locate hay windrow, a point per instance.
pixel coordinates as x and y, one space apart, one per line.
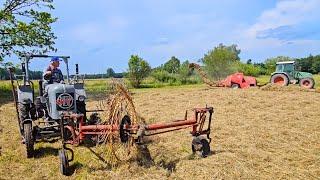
289 88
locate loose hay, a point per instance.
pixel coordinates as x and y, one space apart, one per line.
119 104
255 135
289 88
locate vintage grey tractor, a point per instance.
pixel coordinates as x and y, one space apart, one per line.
286 74
39 116
59 111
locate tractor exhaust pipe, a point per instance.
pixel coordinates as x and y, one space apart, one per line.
77 72
23 68
77 69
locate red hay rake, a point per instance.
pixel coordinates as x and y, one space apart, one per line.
74 130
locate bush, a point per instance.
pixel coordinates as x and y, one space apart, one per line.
138 70
163 76
249 69
184 72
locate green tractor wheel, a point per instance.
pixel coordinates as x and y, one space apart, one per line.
306 83
280 79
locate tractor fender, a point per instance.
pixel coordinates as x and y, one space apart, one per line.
25 94
279 73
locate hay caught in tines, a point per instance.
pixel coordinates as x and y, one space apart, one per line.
118 104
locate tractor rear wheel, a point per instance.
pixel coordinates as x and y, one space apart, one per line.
307 83
280 79
29 141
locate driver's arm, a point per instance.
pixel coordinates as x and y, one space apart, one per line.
47 74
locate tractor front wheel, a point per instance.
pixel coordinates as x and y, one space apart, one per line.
29 141
280 79
23 114
307 83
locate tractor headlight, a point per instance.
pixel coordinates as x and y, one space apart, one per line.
81 98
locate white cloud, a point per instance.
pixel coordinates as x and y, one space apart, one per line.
286 13
99 32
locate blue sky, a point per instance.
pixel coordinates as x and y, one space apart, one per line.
99 34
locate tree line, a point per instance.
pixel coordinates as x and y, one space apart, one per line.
218 63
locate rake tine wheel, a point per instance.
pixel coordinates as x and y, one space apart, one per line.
120 110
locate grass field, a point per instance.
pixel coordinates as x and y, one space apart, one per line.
257 134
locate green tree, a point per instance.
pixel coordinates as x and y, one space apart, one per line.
138 70
232 48
221 61
24 27
316 64
249 69
308 64
173 65
110 73
270 63
184 72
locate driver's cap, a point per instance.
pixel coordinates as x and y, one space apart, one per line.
55 58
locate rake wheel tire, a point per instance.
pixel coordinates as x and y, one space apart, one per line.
29 141
64 162
201 145
124 137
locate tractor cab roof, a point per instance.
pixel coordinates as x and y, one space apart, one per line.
286 62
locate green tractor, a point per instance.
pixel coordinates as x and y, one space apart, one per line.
286 73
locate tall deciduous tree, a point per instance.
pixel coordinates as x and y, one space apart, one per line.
184 72
173 65
110 73
25 26
221 61
138 70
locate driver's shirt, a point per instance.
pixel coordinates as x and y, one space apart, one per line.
56 75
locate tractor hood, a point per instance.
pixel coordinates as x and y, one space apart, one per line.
304 75
61 98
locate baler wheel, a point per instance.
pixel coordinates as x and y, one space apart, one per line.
201 145
64 162
235 86
29 141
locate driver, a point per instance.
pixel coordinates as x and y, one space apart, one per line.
53 73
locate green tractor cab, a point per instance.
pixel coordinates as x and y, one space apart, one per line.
286 74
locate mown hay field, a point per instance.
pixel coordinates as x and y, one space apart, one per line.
256 134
